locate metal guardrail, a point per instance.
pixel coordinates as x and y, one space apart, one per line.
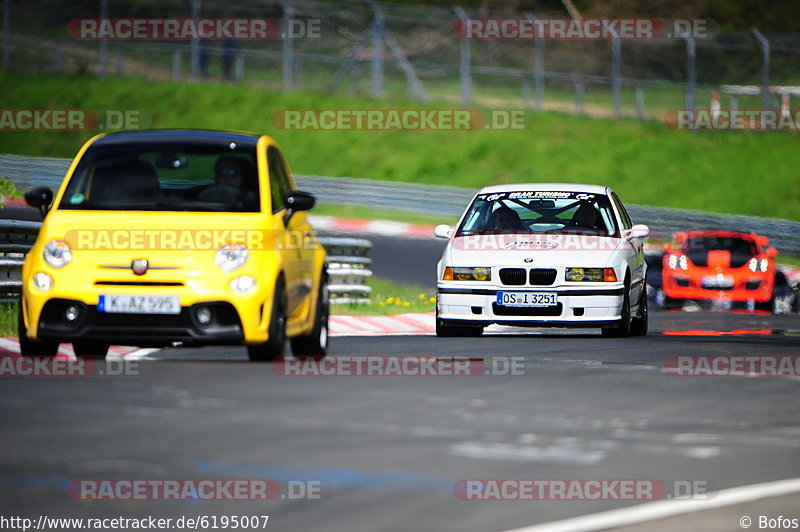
27 172
348 264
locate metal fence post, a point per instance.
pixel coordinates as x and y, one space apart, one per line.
195 42
538 67
6 31
465 53
764 43
176 65
579 91
57 61
376 65
639 101
287 53
101 56
118 61
616 82
691 74
733 102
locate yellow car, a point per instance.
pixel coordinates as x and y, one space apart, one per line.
156 237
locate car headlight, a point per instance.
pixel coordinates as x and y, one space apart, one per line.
57 253
467 274
764 265
231 256
597 275
683 262
672 261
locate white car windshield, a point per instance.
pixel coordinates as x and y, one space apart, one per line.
551 212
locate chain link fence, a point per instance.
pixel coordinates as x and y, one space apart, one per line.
388 50
29 172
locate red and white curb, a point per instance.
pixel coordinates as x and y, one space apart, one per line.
402 324
335 224
9 346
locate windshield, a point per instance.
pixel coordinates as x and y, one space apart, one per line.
164 177
540 212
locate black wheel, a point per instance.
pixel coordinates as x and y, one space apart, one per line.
315 344
622 329
639 325
768 305
88 349
443 330
274 346
33 348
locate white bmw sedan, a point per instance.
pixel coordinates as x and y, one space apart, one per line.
543 255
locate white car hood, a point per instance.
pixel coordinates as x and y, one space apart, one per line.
547 251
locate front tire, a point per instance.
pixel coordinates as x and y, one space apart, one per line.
639 325
315 344
33 348
87 349
275 345
443 330
623 327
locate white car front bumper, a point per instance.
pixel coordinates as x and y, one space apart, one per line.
584 306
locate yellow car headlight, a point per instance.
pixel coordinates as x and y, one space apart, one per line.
467 274
57 253
593 275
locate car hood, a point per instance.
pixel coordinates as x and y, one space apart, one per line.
532 250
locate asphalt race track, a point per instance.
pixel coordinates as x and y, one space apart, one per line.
387 451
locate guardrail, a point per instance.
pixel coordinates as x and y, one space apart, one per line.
449 202
348 264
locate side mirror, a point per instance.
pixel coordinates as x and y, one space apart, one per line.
41 198
638 231
442 231
772 253
295 201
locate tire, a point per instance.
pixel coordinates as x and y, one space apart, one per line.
33 348
456 331
623 327
768 305
315 344
88 349
639 325
275 345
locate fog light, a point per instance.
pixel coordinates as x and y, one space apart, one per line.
204 316
243 285
43 282
72 313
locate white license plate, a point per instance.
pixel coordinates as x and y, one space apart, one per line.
527 299
119 304
714 281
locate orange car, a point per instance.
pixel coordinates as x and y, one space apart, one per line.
720 265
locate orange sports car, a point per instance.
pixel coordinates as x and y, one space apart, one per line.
720 265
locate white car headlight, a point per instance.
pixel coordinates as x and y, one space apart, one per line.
57 253
683 262
42 281
243 285
231 256
764 265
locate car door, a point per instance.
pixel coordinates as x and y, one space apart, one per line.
636 261
297 266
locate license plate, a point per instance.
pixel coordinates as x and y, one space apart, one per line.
717 281
527 299
118 304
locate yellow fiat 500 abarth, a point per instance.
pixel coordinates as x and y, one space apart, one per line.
157 237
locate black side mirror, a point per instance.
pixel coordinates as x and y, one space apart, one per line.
295 201
41 198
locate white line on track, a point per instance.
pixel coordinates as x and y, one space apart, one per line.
652 511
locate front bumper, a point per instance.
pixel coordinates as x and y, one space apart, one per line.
583 307
689 285
147 330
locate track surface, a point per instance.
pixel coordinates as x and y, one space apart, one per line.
388 450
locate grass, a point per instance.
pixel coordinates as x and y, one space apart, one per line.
647 163
8 318
389 297
8 189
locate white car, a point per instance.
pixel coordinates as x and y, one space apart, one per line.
543 255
